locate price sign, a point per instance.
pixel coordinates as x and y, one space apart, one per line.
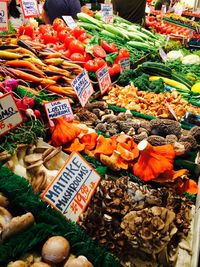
10 116
124 64
163 55
3 15
59 108
71 191
103 79
70 22
107 13
30 8
83 87
88 5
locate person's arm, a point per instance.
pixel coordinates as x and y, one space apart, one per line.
45 17
75 8
115 10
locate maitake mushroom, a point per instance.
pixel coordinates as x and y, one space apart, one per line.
149 230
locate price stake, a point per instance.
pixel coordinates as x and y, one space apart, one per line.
124 64
163 55
71 191
83 87
103 78
3 15
58 108
70 22
30 8
107 13
10 116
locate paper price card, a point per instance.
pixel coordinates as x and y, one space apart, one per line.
83 87
107 13
30 8
104 80
59 108
3 15
10 116
70 22
124 64
71 191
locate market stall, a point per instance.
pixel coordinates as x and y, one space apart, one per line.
99 143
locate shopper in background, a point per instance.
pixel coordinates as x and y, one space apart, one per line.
168 3
57 8
132 10
15 13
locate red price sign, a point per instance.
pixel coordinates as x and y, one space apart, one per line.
3 15
71 191
104 80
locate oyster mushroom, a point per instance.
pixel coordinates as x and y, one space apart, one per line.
14 165
5 155
54 161
5 217
4 202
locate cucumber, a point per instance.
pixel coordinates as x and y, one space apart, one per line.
157 69
114 30
111 35
141 46
180 78
88 26
86 18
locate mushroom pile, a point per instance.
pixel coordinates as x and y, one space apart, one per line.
147 222
38 164
157 132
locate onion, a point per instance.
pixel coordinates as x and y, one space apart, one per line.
12 83
55 250
17 264
81 261
40 264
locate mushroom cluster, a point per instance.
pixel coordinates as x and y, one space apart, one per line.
38 164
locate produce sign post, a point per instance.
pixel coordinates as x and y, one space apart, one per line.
30 8
70 22
103 79
124 64
71 191
107 13
83 87
59 108
10 116
3 15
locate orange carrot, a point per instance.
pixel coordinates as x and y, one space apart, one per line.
62 90
54 55
25 76
25 64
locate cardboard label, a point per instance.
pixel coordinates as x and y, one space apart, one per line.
3 15
70 22
103 78
124 64
59 108
71 191
83 87
30 8
10 116
107 13
162 54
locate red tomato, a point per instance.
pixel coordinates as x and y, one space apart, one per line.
26 29
62 35
82 37
77 57
68 40
44 28
100 62
109 48
123 52
61 47
98 51
50 37
60 28
111 71
91 65
78 31
76 46
116 68
67 54
57 22
87 57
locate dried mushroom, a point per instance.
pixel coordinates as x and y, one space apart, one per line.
171 139
156 140
140 137
195 132
150 230
190 139
164 127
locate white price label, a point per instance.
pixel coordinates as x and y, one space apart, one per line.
70 22
71 191
59 108
88 5
3 15
163 55
30 8
107 13
104 80
83 87
10 116
124 64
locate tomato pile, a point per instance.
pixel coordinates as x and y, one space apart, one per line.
72 44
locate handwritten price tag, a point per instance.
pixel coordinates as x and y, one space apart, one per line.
103 79
107 13
83 87
70 22
71 191
3 15
30 8
124 64
59 108
10 116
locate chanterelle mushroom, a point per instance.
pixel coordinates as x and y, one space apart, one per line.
149 230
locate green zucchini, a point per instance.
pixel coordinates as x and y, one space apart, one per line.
86 18
115 30
157 69
111 35
88 26
180 78
149 64
141 46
